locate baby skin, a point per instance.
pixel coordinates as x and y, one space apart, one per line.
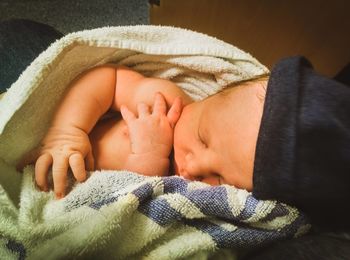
115 118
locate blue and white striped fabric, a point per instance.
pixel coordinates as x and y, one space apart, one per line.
232 217
122 215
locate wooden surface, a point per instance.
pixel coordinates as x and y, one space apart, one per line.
270 29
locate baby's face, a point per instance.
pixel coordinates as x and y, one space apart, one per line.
215 139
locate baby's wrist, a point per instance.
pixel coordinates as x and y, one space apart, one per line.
151 150
147 164
66 129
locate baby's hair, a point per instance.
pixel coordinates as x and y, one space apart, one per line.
261 78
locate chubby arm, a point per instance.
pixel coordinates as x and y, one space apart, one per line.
89 97
66 144
132 88
150 107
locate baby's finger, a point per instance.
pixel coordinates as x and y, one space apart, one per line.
174 112
77 164
59 176
90 162
127 114
142 109
159 106
42 166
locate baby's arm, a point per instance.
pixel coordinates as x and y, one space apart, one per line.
66 143
151 136
133 88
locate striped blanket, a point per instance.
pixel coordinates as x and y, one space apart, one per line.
127 216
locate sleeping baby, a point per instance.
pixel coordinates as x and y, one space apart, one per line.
115 118
292 145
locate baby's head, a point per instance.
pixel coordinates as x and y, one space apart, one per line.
215 139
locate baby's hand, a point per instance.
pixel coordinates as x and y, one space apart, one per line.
63 147
151 133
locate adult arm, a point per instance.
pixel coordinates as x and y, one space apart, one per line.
303 148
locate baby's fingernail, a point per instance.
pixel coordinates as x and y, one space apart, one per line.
59 195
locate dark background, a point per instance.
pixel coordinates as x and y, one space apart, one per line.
269 29
75 15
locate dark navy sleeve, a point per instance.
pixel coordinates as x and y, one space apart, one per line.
303 148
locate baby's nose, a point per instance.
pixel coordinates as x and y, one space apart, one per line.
191 169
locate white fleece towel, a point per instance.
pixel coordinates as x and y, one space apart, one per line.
114 214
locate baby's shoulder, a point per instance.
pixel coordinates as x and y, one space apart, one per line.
133 88
148 87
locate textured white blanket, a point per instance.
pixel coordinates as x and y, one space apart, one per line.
120 214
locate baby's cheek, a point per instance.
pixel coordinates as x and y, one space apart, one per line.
246 181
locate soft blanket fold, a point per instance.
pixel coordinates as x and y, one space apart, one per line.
116 214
